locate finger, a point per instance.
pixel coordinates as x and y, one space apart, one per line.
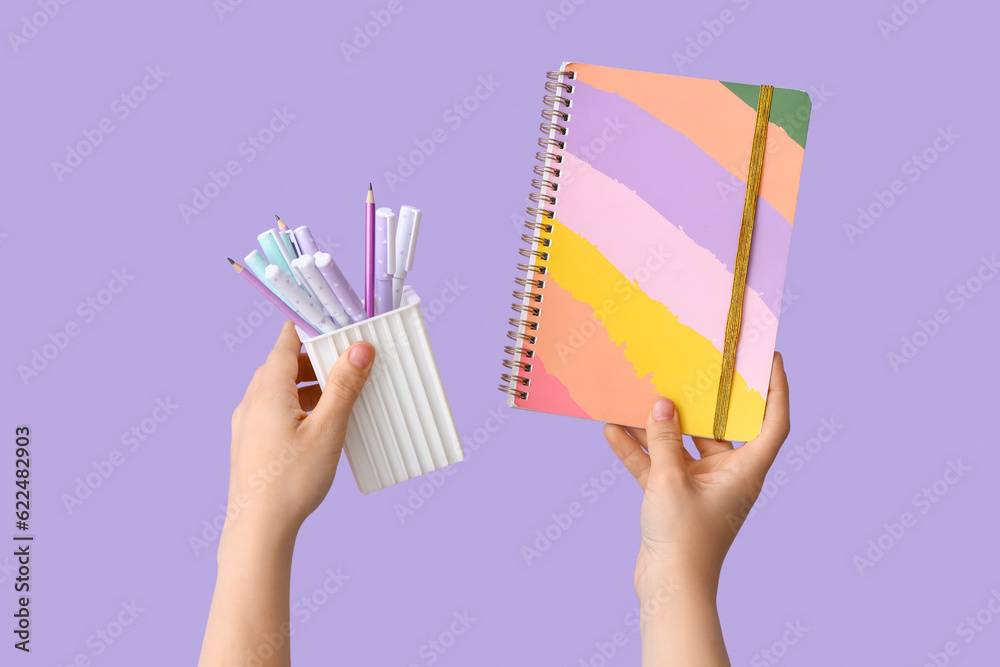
764 448
663 438
309 396
709 446
306 371
282 366
639 435
628 450
343 386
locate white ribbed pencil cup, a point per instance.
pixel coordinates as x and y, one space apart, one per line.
401 426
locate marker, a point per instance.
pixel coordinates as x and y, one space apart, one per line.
307 246
318 285
385 256
256 263
406 245
341 288
285 309
272 245
305 304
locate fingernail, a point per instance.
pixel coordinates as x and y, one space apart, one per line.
663 410
361 355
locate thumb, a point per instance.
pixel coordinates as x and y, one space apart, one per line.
343 386
663 437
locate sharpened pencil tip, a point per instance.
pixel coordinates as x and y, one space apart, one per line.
277 217
230 260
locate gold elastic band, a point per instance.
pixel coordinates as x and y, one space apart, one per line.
742 260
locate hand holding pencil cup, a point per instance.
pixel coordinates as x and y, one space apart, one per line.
401 426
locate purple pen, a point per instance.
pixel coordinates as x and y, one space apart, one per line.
305 239
341 288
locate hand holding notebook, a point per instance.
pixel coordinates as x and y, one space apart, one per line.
633 258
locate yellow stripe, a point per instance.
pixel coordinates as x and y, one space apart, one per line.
677 361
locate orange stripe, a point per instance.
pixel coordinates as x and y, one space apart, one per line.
576 349
715 119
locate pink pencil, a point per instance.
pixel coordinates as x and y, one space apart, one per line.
273 298
370 253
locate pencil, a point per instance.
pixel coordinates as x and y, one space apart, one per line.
370 253
273 298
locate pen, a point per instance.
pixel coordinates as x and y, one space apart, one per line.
385 256
317 283
341 288
305 304
406 244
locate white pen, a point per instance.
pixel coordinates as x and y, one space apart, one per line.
385 258
406 244
306 265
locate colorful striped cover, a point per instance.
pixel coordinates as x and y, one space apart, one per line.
640 268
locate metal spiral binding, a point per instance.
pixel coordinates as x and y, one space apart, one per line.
536 241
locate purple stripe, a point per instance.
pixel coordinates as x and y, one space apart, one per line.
678 179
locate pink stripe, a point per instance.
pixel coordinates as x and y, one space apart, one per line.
666 264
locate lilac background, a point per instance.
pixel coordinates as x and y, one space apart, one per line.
880 101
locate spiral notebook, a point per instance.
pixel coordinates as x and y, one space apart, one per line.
629 264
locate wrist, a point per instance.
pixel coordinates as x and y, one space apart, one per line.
248 545
664 582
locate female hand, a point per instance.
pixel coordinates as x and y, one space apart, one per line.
283 461
691 512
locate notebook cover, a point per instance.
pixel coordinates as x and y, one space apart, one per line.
639 273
